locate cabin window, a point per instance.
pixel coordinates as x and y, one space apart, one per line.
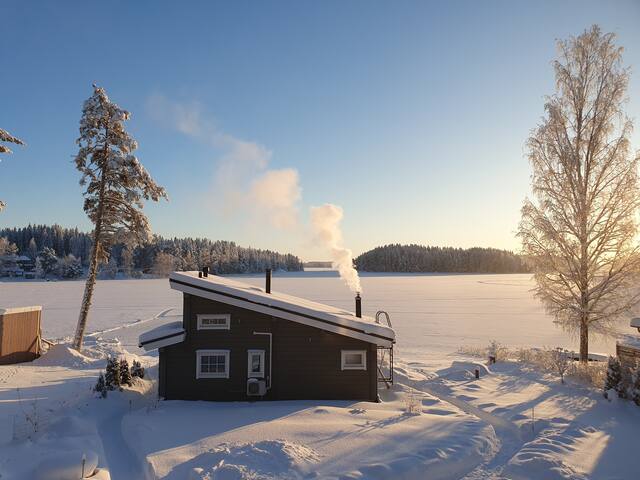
211 321
212 363
255 363
354 360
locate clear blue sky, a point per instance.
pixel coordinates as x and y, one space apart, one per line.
412 116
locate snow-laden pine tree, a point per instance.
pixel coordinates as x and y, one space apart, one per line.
116 185
613 379
137 370
101 386
112 377
7 138
580 231
125 373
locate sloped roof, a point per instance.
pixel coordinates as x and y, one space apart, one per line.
162 336
284 306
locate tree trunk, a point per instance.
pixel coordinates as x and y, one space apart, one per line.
584 341
88 294
93 268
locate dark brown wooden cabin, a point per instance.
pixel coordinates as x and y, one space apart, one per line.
19 334
240 342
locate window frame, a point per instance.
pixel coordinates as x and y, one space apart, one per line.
261 373
207 353
345 366
217 316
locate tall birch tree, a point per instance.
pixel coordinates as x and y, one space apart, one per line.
116 185
580 228
6 137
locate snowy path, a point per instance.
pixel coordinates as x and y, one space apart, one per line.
122 463
507 432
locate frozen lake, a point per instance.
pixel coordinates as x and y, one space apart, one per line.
433 314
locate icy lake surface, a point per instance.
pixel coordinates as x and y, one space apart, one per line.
432 314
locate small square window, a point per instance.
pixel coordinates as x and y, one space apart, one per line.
211 321
212 364
354 360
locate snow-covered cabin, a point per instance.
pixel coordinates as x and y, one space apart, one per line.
239 342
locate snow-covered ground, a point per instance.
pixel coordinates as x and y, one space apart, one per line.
514 422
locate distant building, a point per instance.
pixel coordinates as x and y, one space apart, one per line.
240 342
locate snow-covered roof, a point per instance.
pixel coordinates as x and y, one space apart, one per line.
280 305
162 336
7 311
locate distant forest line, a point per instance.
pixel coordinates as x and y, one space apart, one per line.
159 256
424 259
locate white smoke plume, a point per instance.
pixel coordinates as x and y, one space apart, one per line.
325 222
242 177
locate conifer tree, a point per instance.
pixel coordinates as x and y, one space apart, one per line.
112 374
614 377
116 185
137 370
7 138
125 374
101 386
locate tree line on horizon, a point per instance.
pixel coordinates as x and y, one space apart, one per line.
157 256
423 259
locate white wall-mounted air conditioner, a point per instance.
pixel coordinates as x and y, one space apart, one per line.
256 387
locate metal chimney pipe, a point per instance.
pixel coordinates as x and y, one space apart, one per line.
358 306
205 271
267 280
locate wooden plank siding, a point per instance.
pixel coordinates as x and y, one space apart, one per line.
306 360
19 337
628 356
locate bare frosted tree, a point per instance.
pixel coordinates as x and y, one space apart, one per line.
579 232
116 184
7 138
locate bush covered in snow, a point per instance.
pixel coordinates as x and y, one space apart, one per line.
613 380
137 370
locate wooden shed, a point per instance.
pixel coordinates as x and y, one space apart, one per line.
240 342
19 334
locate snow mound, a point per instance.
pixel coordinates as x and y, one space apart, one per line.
62 355
460 371
68 465
268 459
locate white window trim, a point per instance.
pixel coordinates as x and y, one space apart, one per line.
201 353
361 366
259 374
203 316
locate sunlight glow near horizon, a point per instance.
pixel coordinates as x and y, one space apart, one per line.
412 117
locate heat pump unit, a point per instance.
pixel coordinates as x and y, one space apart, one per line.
256 388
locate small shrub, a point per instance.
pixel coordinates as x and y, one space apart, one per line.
137 370
498 351
412 404
112 374
101 386
634 387
613 379
125 374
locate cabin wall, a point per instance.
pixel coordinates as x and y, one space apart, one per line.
19 337
628 356
306 360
